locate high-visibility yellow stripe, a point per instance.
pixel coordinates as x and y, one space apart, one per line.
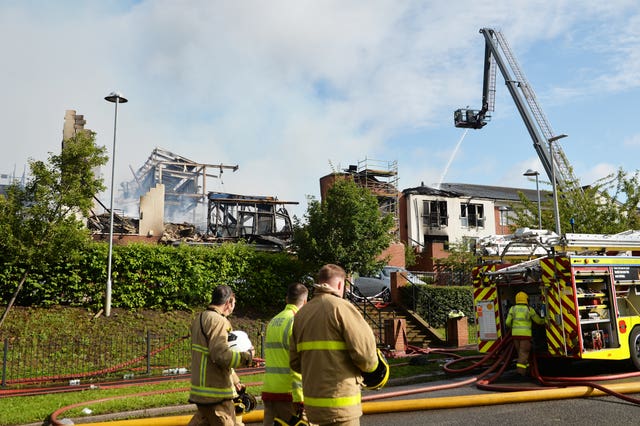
236 359
211 392
320 345
200 348
344 401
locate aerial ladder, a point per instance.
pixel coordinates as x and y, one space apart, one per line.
497 52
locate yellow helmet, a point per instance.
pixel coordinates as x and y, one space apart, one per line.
522 298
378 377
244 403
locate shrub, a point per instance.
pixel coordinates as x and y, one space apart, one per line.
435 302
159 277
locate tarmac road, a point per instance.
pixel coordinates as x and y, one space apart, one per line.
603 410
576 411
579 411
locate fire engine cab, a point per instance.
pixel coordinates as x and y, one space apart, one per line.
585 286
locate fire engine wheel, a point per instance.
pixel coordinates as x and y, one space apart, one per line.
634 346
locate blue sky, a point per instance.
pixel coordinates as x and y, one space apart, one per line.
289 89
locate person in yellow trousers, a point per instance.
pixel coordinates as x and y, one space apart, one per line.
519 320
332 346
282 387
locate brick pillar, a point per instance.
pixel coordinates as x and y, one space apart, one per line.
395 335
397 280
457 332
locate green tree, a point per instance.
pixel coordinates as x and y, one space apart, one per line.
608 206
346 228
40 222
456 267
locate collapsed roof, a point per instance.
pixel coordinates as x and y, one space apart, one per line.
185 180
262 219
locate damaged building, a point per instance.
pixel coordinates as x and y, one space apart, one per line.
175 207
257 219
184 181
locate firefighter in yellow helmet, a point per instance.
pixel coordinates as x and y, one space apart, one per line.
519 320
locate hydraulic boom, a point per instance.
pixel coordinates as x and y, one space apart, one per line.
498 52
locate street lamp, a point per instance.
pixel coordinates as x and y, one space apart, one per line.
556 210
535 173
116 98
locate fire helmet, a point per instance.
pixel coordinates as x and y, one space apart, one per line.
244 403
378 377
522 298
238 341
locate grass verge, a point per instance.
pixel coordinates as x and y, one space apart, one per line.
72 321
32 409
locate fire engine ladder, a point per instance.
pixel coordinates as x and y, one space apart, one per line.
523 268
623 241
540 125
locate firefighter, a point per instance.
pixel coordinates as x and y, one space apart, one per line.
214 383
282 388
332 345
519 320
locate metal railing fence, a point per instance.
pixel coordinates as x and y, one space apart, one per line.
34 359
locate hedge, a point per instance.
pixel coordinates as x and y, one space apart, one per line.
158 277
433 303
181 278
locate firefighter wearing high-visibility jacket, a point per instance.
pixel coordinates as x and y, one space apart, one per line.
332 345
214 383
519 320
282 387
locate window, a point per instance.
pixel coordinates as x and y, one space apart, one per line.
504 215
469 244
434 213
472 215
431 239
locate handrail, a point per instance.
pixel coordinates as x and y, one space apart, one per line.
357 299
413 289
411 311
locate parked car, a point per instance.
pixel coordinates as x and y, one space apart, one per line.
379 285
387 270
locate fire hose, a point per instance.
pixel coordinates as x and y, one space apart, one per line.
496 361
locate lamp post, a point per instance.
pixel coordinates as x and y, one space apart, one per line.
116 98
556 210
535 173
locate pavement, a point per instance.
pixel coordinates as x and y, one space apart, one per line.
191 408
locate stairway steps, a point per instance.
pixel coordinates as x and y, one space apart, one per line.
415 332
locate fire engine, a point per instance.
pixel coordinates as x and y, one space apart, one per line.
586 287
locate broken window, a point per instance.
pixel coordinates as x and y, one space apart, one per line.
434 213
472 215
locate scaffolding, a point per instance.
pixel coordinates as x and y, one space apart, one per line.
381 178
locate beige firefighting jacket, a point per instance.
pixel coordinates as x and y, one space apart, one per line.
331 344
212 362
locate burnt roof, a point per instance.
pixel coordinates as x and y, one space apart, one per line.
477 191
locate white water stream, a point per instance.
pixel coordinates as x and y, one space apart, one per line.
453 155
